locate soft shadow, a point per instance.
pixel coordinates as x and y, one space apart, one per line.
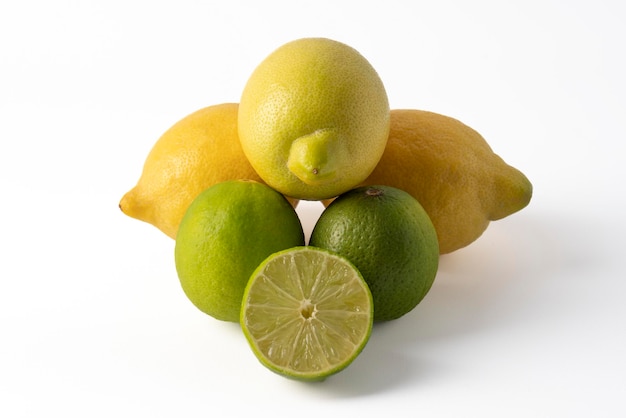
478 289
390 360
490 285
482 286
379 368
385 364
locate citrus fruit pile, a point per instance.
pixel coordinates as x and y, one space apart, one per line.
399 188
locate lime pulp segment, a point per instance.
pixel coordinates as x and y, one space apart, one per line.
307 313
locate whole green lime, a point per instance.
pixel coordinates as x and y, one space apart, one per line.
391 240
226 232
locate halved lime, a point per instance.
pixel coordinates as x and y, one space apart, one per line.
307 313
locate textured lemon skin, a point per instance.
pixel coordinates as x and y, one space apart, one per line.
325 97
198 151
453 172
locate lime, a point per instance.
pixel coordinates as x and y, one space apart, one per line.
389 237
307 313
224 235
314 118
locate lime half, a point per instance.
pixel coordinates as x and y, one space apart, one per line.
307 313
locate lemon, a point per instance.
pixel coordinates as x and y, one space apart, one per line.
227 231
389 237
198 151
314 118
454 174
306 313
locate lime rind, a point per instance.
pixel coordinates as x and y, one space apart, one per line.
242 217
307 313
390 238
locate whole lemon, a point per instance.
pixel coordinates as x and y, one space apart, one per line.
314 118
198 151
454 174
390 239
227 231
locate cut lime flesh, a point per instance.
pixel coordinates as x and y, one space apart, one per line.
307 313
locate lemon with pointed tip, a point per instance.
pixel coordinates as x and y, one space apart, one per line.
314 118
453 172
198 151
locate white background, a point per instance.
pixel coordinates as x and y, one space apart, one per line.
529 321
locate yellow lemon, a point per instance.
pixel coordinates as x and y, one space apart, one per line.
314 118
453 172
198 151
